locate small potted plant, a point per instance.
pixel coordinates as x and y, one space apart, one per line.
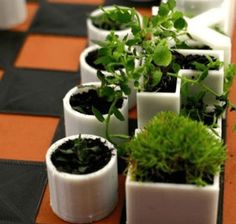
82 176
111 18
92 109
173 174
147 61
90 64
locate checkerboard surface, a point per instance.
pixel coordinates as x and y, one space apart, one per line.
39 63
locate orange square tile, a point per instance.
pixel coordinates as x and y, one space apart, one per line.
1 74
31 10
25 137
92 2
51 52
46 215
229 216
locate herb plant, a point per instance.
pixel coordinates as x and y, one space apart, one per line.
81 156
175 149
118 18
148 59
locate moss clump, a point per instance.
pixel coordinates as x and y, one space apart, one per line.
176 149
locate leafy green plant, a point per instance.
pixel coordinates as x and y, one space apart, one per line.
194 106
175 149
148 60
145 56
117 18
81 156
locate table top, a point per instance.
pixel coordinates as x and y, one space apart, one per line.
39 63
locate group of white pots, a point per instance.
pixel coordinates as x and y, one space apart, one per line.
87 198
91 197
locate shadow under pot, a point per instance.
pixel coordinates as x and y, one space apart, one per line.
79 117
82 177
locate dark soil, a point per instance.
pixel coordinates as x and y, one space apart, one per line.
174 178
186 62
91 58
166 85
84 158
83 102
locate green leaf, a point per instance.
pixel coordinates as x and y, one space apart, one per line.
162 55
176 15
156 76
171 4
203 75
118 114
100 76
163 10
124 16
180 24
98 114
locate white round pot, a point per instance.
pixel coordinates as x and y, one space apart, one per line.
82 198
89 74
12 13
76 122
96 34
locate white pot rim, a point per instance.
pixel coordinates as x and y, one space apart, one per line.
106 32
177 91
173 185
76 177
66 101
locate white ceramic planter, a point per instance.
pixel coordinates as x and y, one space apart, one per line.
194 7
12 13
215 78
82 198
76 122
164 203
211 38
222 16
96 34
89 74
151 103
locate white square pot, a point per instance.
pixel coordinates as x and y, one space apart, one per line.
212 38
82 198
215 78
163 203
151 103
195 7
76 122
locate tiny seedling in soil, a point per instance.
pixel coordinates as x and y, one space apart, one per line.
81 156
119 18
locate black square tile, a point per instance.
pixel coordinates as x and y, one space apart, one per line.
10 44
21 189
62 19
35 92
